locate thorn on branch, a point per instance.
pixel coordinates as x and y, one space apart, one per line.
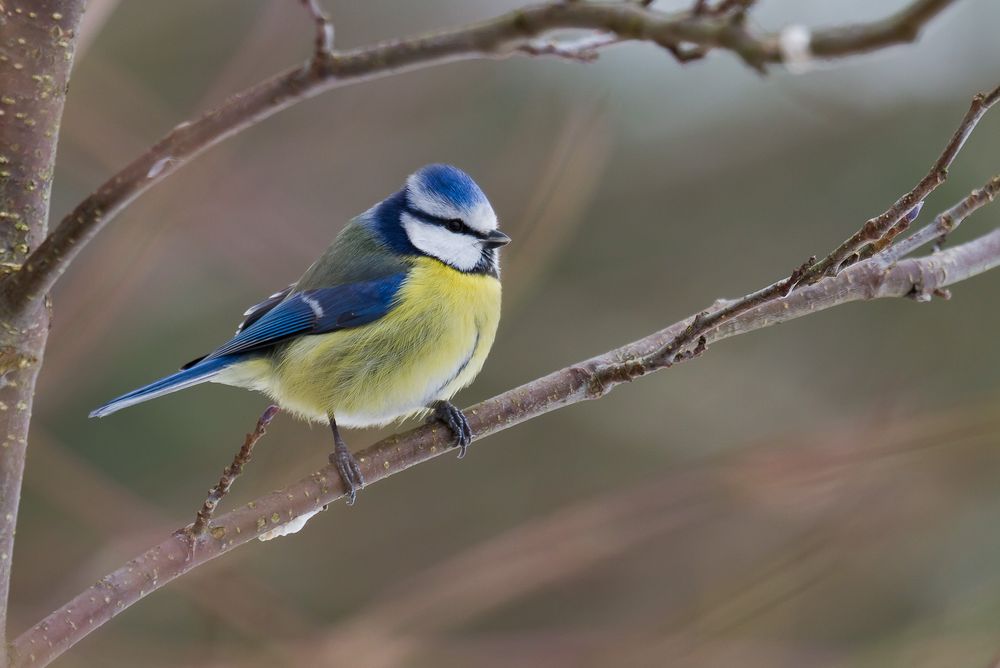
231 473
323 48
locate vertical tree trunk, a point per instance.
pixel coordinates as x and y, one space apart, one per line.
36 53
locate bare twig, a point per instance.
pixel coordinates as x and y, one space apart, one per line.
324 31
124 522
902 27
946 222
874 236
872 279
232 472
707 320
684 34
875 228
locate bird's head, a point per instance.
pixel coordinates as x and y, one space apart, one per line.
441 212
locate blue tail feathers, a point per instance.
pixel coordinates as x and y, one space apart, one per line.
199 373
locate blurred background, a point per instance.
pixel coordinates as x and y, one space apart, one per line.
823 493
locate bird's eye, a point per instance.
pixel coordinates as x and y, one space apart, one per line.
454 225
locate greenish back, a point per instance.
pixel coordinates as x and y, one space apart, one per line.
355 255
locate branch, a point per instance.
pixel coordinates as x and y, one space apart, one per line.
232 472
874 236
946 222
324 30
900 28
882 229
875 278
688 35
37 53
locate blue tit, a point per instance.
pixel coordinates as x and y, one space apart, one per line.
394 318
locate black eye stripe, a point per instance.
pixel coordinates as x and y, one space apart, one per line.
443 222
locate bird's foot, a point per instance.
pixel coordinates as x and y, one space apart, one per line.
350 473
451 415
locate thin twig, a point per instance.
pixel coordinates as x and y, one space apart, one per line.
705 321
946 222
875 228
324 31
232 472
902 27
872 279
681 33
874 236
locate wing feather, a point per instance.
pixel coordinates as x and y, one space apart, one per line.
257 311
315 311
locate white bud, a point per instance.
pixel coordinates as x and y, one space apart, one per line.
794 43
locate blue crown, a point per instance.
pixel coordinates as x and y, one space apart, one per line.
450 184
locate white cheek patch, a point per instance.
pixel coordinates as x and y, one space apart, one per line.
459 250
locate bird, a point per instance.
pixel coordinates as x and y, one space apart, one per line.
396 316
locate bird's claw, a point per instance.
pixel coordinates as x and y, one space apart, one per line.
456 421
350 473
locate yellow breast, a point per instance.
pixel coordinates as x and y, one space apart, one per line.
430 345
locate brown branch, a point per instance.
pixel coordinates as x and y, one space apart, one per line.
878 227
685 34
871 279
232 472
874 236
900 28
37 53
324 31
946 222
708 320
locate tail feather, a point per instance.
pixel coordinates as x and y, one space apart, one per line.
199 373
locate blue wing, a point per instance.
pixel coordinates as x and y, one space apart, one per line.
258 311
274 320
316 312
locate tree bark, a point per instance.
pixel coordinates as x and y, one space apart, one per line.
36 54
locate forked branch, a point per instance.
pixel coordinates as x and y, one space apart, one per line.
875 278
874 237
688 35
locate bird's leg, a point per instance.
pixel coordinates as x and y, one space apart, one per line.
347 465
451 415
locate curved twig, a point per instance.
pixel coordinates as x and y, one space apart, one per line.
872 279
685 34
